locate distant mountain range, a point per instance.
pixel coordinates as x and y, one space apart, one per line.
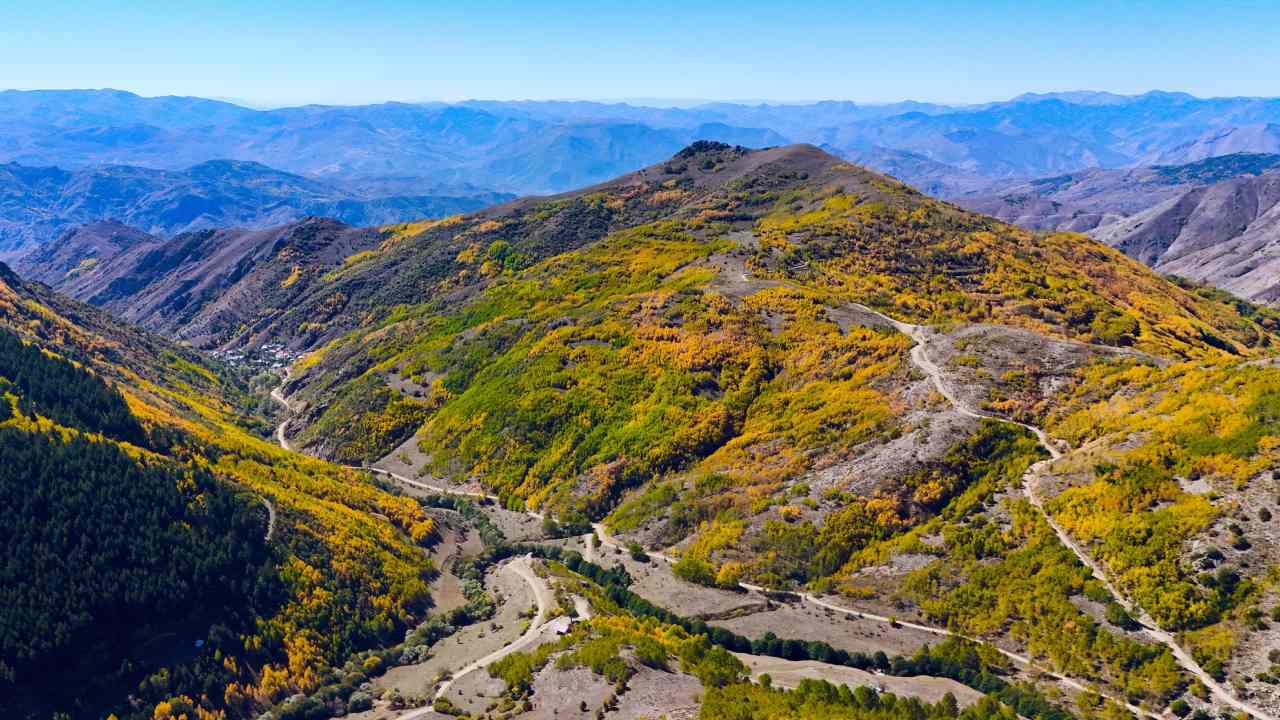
1213 220
538 147
37 204
158 166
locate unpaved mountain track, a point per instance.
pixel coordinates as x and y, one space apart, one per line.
277 394
1030 481
920 358
271 518
520 566
542 595
606 539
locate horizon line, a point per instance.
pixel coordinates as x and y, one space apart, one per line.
650 102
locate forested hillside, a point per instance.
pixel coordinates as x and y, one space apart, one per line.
720 278
208 287
137 508
785 376
113 556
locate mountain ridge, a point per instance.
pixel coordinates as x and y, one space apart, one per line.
39 203
1087 199
204 286
539 147
783 372
1225 234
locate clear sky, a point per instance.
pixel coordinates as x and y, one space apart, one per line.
357 51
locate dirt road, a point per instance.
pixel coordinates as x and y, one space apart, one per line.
1030 482
277 394
542 594
1022 660
271 518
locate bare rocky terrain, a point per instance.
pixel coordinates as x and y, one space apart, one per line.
1214 220
1224 234
1091 198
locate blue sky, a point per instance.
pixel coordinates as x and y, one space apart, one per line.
290 52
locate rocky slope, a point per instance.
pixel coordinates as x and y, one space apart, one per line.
1088 199
1226 234
1211 221
208 287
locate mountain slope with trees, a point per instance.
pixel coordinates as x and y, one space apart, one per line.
779 369
209 287
138 500
693 352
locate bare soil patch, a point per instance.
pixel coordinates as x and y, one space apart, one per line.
407 459
446 591
559 694
469 643
789 673
653 693
808 622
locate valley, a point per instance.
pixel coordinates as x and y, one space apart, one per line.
747 424
741 283
834 674
624 361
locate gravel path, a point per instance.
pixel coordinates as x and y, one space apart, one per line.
1030 482
542 594
271 518
920 357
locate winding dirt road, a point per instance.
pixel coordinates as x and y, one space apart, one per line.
271 518
521 566
920 358
606 539
542 594
1030 481
277 394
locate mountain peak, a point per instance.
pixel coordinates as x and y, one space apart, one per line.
701 147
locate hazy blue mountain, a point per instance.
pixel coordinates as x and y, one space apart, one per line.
544 147
513 147
37 204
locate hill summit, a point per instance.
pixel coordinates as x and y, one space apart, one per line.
706 260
